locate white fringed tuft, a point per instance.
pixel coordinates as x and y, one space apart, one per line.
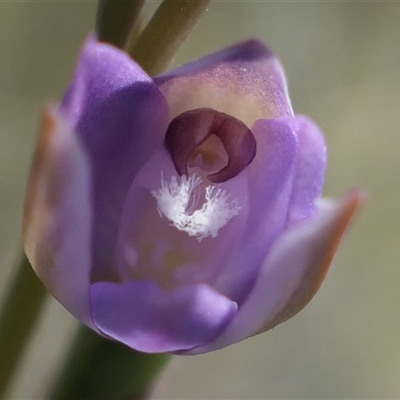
177 202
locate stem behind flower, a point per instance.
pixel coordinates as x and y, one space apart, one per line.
116 20
98 368
18 316
166 32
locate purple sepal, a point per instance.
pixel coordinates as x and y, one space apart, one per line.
121 118
270 183
57 225
310 168
245 80
150 319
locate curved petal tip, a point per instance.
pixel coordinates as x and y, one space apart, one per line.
322 241
292 273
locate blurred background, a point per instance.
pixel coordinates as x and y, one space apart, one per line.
343 65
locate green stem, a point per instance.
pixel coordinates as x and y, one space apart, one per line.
17 319
100 369
116 20
166 32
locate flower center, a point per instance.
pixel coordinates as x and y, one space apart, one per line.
177 202
204 140
189 130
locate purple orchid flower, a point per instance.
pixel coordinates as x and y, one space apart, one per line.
181 213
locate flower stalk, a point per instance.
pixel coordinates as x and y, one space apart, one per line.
165 33
18 316
97 368
116 20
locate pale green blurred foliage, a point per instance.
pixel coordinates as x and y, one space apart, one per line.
343 64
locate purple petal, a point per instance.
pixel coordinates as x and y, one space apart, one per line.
310 168
121 117
246 81
149 319
58 215
270 182
292 273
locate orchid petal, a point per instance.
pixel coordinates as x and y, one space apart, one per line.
147 318
246 81
58 215
310 168
291 274
121 117
270 180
